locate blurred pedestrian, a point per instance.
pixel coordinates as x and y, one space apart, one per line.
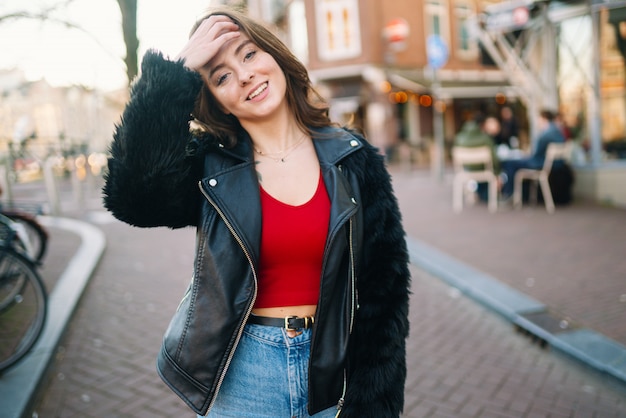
473 134
559 120
509 129
491 126
549 133
298 303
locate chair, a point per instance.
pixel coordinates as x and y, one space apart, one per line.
462 157
555 151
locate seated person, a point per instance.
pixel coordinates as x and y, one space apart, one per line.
509 130
473 134
549 132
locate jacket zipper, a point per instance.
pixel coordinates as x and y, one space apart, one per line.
353 277
249 310
343 395
352 314
352 308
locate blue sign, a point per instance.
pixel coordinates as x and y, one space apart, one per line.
437 51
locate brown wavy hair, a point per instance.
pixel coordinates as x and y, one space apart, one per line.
309 108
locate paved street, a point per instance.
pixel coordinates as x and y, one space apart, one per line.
573 260
464 360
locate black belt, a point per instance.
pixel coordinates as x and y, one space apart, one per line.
288 322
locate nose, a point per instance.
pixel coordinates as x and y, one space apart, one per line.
245 77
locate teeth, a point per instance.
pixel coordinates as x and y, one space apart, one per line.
258 91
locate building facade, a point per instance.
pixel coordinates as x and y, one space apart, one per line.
409 72
406 72
39 121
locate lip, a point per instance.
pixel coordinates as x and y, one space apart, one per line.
255 88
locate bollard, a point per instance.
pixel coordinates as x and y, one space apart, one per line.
5 183
51 186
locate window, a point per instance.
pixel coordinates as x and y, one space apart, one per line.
467 48
436 19
338 29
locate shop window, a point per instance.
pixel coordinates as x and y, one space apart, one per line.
574 76
612 81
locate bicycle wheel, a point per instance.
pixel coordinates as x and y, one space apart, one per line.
11 287
25 307
10 290
37 234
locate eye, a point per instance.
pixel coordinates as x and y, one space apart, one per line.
249 55
219 80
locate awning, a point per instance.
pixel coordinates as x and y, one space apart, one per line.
453 84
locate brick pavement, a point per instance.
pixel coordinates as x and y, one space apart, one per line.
463 360
573 261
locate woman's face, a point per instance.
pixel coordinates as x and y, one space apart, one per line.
246 81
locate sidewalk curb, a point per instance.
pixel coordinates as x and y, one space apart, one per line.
20 383
587 346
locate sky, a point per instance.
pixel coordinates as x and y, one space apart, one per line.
95 59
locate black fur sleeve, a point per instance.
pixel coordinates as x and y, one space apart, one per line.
150 179
378 372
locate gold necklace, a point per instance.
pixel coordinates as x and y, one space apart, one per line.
280 156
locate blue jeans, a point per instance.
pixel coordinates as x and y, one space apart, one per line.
268 377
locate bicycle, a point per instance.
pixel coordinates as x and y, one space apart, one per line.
37 235
23 296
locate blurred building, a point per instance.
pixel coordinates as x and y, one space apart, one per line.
38 121
408 73
569 56
389 67
399 69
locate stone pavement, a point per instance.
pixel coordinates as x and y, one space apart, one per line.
573 261
563 276
464 360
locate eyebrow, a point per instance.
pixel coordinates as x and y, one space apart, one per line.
237 51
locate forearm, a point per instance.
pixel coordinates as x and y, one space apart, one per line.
150 181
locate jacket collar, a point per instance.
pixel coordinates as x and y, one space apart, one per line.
328 152
331 152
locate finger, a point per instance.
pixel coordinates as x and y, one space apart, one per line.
215 21
227 34
221 28
213 31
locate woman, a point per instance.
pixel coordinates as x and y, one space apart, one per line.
299 298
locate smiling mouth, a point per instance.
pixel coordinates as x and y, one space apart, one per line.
258 91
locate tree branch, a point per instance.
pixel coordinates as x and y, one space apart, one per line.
46 16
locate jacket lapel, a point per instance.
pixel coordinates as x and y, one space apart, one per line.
232 187
332 145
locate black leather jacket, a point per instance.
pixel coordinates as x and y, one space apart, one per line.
159 175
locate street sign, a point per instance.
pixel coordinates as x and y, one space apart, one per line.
508 15
509 20
437 51
396 32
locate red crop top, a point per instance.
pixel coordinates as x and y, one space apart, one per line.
292 247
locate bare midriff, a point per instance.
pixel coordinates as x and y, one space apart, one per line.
283 311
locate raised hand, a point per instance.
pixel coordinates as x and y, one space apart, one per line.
206 41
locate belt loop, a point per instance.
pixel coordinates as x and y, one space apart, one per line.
306 321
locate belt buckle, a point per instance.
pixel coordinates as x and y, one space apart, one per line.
287 326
